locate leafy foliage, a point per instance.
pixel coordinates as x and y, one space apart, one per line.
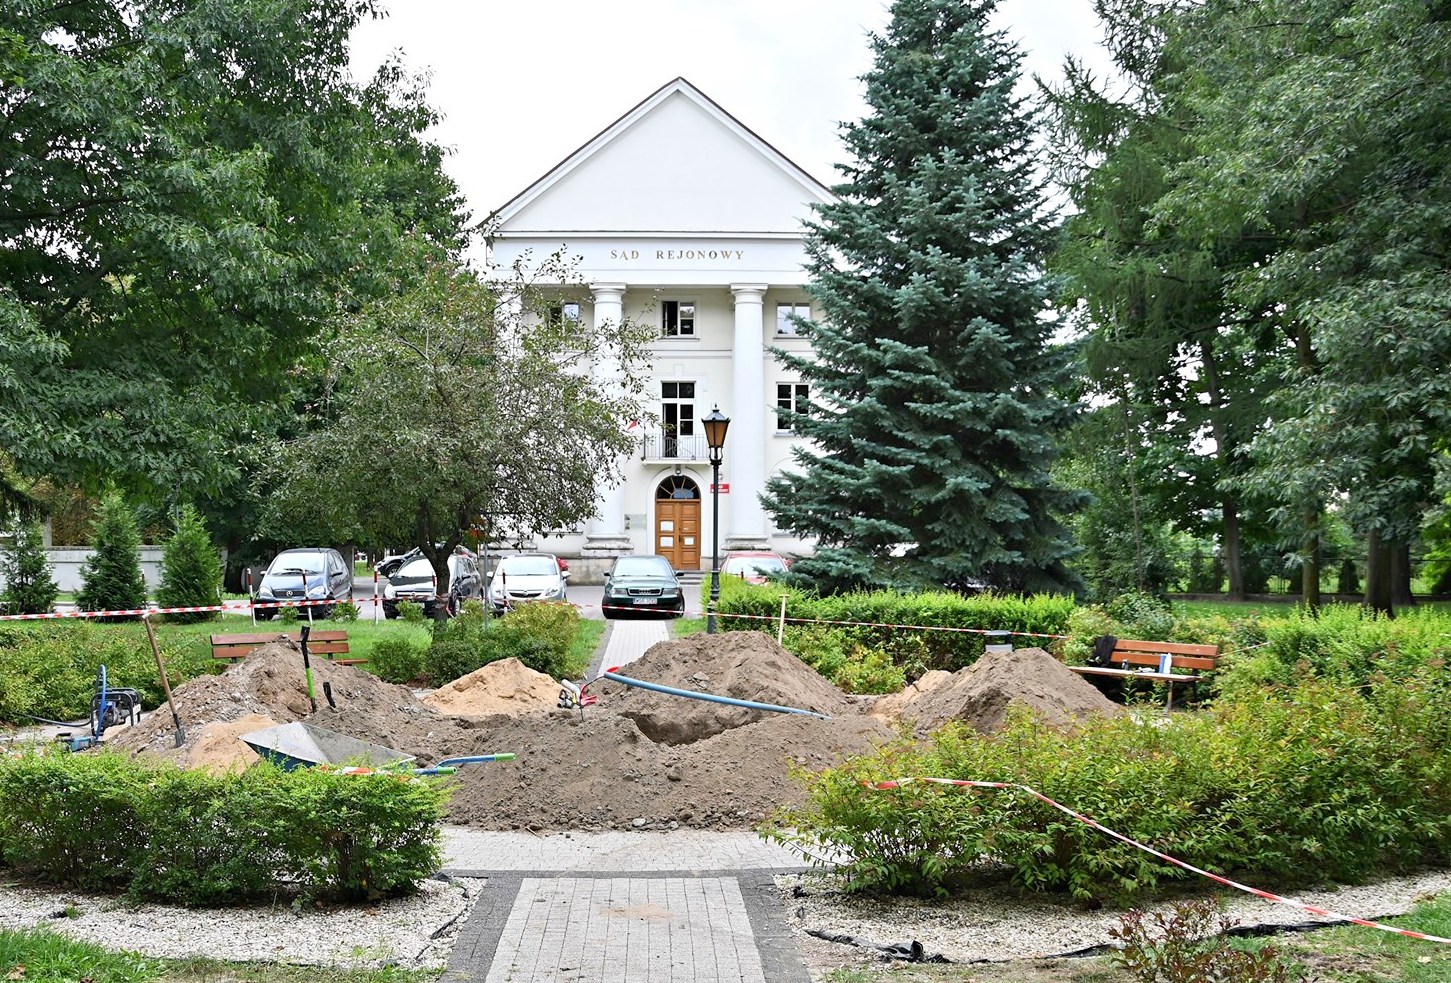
111 578
1189 944
49 670
539 635
29 586
1316 779
932 420
191 570
193 190
397 660
110 822
886 622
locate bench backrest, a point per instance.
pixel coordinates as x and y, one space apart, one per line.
328 641
1182 655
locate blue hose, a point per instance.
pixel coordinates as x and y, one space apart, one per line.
711 697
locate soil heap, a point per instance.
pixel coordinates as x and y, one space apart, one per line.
505 687
979 694
636 759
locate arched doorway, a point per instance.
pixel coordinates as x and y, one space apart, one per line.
677 522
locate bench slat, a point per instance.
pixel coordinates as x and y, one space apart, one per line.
1177 661
1168 677
329 642
1165 648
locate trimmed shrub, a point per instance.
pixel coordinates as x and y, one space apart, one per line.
868 619
191 569
111 579
397 660
1317 780
539 635
29 586
103 821
49 669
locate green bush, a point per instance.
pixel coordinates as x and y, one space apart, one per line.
538 635
109 822
1315 780
397 660
191 570
866 620
411 612
345 611
111 578
29 586
49 669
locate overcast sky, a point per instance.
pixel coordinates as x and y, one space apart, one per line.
524 83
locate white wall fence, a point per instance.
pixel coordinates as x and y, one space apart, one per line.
65 566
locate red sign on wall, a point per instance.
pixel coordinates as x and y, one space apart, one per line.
724 487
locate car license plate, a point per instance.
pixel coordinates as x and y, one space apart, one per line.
646 600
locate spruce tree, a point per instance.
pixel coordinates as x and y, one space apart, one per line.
191 569
931 416
111 579
29 586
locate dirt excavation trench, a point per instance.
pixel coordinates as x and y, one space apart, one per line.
636 759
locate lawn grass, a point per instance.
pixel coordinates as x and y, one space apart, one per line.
39 955
582 651
681 627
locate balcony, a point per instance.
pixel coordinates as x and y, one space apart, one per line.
666 446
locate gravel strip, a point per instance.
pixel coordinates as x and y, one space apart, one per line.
996 924
415 932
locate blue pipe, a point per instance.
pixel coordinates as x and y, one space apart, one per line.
449 765
711 697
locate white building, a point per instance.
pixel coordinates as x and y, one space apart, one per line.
685 219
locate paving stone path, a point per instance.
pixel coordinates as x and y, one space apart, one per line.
648 907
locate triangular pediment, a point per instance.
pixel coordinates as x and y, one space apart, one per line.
676 163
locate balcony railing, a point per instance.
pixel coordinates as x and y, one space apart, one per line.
665 446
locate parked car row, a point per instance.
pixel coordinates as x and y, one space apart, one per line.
635 584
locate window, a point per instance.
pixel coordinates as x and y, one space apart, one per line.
567 311
784 314
677 319
677 416
790 397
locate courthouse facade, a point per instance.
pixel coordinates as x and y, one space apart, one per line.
686 220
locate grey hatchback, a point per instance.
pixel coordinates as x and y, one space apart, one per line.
317 576
642 584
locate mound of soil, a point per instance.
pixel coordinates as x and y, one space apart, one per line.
747 665
979 694
269 685
636 759
504 687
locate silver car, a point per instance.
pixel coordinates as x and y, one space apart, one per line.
527 577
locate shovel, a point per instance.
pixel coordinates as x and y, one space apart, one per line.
165 684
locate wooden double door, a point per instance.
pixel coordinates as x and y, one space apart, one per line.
677 529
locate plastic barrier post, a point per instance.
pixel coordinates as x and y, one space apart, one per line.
377 608
781 625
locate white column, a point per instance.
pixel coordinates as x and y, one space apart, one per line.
745 451
607 530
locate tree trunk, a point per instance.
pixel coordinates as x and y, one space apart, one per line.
1401 595
1378 594
1310 560
1233 562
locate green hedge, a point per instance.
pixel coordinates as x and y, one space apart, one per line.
109 822
746 607
49 669
1287 784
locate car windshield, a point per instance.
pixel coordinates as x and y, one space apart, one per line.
413 572
763 565
643 566
289 563
529 566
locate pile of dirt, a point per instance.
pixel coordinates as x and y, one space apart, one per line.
746 665
506 687
636 759
979 695
270 687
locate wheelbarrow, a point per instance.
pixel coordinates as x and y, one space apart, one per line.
303 745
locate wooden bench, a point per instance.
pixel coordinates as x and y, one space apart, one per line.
1158 662
329 642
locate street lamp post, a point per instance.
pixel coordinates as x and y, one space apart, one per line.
716 425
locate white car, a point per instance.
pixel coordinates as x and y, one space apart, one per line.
527 577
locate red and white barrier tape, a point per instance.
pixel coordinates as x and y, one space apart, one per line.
1266 895
238 607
